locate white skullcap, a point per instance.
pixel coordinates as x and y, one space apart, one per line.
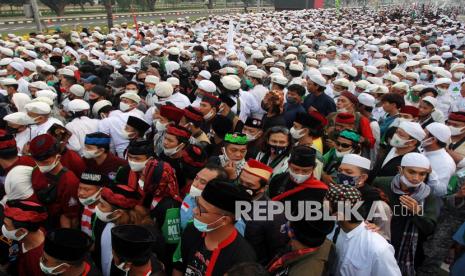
47 94
29 65
78 105
371 69
5 61
351 71
66 72
49 68
415 159
268 61
9 81
362 84
231 83
392 77
207 86
99 105
356 160
17 66
38 108
433 101
366 99
43 100
18 183
401 85
77 90
152 79
133 96
342 82
318 79
440 131
173 51
327 71
164 89
174 81
279 79
413 129
296 66
205 74
20 100
443 81
18 118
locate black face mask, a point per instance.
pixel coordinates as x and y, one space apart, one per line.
11 130
252 192
278 150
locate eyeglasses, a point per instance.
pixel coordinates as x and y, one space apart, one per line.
202 209
343 145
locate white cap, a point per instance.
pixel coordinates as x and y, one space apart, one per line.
255 74
296 66
356 160
174 81
173 51
18 118
164 89
433 101
78 105
415 159
207 86
371 69
230 83
8 81
279 79
38 108
440 131
17 66
20 100
99 105
77 90
66 72
49 68
413 129
47 94
152 79
318 79
401 85
133 96
366 99
205 74
342 82
442 81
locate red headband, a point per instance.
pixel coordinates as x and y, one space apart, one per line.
345 118
119 200
457 117
8 144
178 132
18 214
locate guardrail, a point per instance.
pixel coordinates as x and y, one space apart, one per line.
139 14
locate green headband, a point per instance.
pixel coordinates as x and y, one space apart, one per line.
351 135
235 138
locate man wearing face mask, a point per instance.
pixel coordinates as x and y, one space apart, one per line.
253 130
81 124
151 82
293 105
456 149
39 118
162 117
457 70
132 246
444 98
411 198
225 109
55 186
211 246
128 104
209 107
347 142
135 128
97 155
192 120
90 186
65 253
354 171
22 222
233 154
435 143
264 236
299 176
406 139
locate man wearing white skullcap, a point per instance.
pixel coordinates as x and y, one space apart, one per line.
354 171
318 100
80 124
203 86
39 118
406 139
16 70
412 202
18 124
166 93
18 185
435 143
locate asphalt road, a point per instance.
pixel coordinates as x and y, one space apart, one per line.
94 20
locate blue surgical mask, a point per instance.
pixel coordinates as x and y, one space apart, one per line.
203 227
345 179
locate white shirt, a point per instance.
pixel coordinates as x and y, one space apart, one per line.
363 252
22 138
37 130
444 166
23 86
106 254
80 127
444 104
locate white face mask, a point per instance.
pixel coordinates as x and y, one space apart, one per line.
48 168
427 142
455 131
195 192
89 154
197 82
91 199
409 82
442 91
209 115
251 137
131 91
342 110
124 106
121 267
137 166
172 151
11 234
340 154
103 216
299 178
458 75
398 142
160 126
297 133
407 183
126 134
50 270
423 76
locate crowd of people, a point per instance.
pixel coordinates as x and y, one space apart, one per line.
127 152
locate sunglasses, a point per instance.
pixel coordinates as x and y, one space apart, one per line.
343 145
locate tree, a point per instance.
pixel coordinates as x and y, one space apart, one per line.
58 6
109 10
